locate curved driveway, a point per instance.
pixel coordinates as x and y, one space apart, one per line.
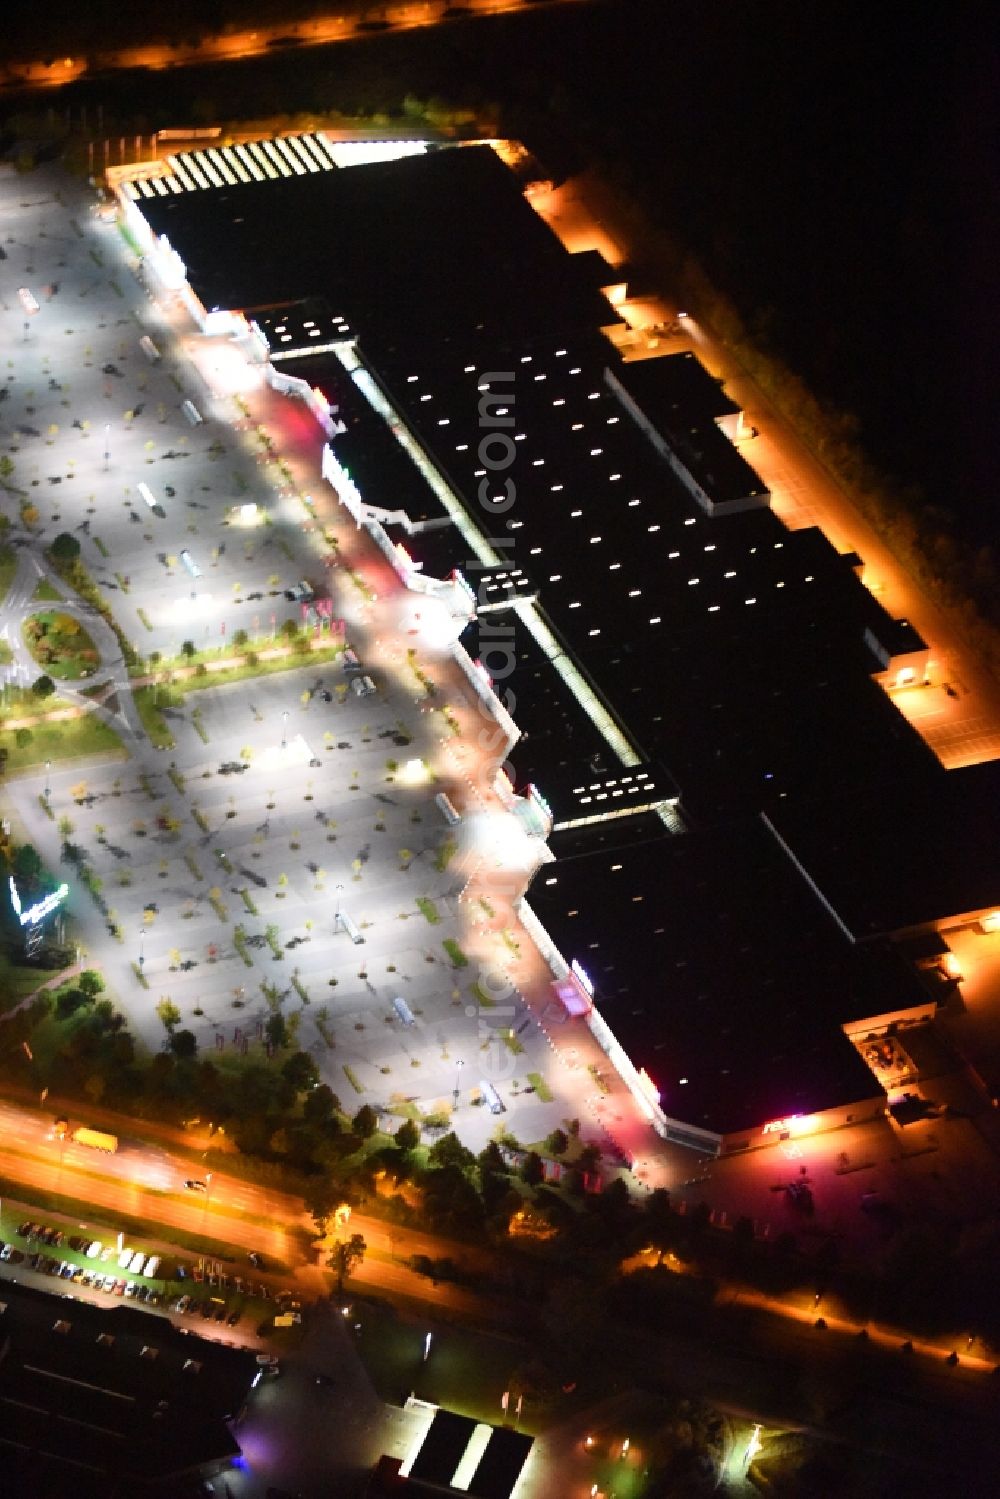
20 605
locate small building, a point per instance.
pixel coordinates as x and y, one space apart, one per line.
95 1400
455 1456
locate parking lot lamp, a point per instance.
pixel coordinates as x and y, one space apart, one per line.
458 1079
107 444
336 909
48 767
141 958
284 728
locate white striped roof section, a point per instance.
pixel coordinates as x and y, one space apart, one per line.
232 166
263 161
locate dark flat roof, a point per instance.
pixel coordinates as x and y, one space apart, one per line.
559 744
448 1435
889 860
408 249
302 324
745 715
693 436
613 792
676 387
385 474
606 837
146 1419
731 649
500 1466
298 325
713 962
435 546
442 1447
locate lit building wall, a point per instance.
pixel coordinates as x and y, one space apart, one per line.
796 1126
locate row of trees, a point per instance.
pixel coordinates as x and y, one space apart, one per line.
931 1278
280 1115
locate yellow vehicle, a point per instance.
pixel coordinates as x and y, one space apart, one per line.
96 1139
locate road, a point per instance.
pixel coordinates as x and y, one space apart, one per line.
145 1180
234 46
761 1350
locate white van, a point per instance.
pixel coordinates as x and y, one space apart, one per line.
192 413
362 686
150 350
190 564
145 493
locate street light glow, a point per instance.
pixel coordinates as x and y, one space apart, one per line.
413 773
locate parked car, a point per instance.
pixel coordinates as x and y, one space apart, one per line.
93 1249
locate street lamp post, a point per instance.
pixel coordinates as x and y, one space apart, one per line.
284 729
107 444
336 909
458 1079
141 958
48 767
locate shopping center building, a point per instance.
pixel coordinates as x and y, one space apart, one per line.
752 859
